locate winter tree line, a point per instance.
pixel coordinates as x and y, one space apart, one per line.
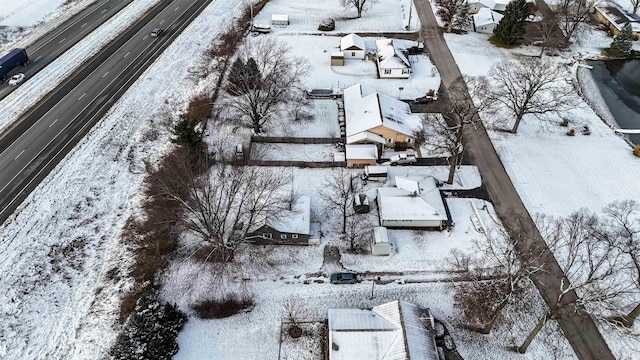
599 254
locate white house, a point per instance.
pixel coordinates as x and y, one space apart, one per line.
486 20
397 330
412 204
352 47
373 118
392 63
380 244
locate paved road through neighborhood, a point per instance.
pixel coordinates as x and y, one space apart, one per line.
580 330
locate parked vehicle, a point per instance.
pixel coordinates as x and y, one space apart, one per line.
156 32
430 96
16 79
324 93
260 28
401 159
345 278
10 61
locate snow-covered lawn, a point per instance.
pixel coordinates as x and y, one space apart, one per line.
317 50
324 123
556 174
305 16
293 152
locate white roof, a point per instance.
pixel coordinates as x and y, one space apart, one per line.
380 234
352 42
280 17
390 55
362 152
376 169
499 5
296 221
365 112
391 331
365 136
617 16
411 200
486 16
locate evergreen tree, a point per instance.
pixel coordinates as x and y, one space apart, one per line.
511 28
621 44
187 134
236 76
252 73
150 332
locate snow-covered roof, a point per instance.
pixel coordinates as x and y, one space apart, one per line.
411 199
296 221
280 17
617 16
352 42
390 54
499 5
365 112
362 152
486 16
391 331
365 136
380 234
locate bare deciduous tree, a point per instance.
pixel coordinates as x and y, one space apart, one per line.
294 310
548 28
635 5
338 194
453 12
268 86
622 231
221 203
573 13
590 268
359 5
358 228
529 87
498 277
443 138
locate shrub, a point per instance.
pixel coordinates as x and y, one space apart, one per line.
636 151
150 332
571 132
222 308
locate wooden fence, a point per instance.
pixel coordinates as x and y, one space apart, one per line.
300 164
294 140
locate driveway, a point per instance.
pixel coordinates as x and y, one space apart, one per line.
579 329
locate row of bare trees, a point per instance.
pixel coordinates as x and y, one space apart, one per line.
600 256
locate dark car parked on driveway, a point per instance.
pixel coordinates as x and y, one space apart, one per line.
345 278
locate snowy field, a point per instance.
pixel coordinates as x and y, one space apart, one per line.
61 249
56 301
293 152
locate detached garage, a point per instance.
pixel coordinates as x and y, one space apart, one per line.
380 244
280 20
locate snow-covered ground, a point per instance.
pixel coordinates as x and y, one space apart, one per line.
22 22
60 251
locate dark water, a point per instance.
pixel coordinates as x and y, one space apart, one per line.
619 84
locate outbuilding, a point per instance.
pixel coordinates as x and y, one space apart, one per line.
376 173
380 244
353 46
280 20
361 204
337 58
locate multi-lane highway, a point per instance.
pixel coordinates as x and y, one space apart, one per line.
51 45
41 138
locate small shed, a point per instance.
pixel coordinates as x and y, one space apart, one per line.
337 58
353 46
380 244
361 204
280 20
376 173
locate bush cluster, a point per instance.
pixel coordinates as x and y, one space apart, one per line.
150 332
217 309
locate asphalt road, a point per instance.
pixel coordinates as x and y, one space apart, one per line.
580 330
50 46
40 139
